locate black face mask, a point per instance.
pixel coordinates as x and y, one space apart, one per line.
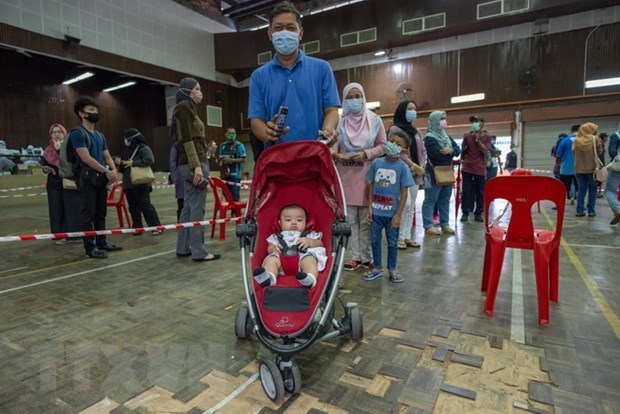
92 117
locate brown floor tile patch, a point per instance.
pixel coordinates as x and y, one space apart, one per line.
502 380
157 401
394 333
102 407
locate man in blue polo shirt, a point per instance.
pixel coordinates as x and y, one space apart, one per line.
304 84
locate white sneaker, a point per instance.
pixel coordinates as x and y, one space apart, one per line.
434 231
448 230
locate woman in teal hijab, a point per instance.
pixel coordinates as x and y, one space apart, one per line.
440 149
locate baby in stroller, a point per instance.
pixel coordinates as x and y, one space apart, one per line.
293 240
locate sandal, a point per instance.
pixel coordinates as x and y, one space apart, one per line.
157 232
401 244
412 243
395 276
371 275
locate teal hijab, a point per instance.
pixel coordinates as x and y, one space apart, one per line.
433 129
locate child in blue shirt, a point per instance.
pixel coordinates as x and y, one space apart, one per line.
388 178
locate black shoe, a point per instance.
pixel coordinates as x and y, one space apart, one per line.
464 218
183 254
591 214
109 247
96 254
478 217
580 215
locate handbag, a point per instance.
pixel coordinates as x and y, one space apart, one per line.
600 173
614 165
68 184
444 174
140 175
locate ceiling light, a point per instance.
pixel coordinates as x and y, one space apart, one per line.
121 86
467 98
78 78
380 53
599 83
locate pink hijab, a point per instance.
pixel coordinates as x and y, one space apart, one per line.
358 128
51 154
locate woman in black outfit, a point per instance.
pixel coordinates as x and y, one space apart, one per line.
51 164
137 153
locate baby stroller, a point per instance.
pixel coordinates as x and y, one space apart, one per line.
288 318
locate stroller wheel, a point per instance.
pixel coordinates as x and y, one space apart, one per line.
357 325
271 380
241 322
292 379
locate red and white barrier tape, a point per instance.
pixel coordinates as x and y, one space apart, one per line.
6 190
53 236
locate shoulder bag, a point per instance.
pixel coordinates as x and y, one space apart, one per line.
444 174
141 175
614 165
600 173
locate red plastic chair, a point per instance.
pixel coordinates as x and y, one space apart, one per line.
223 203
523 171
121 206
522 192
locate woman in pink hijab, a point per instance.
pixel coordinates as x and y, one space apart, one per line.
51 164
360 140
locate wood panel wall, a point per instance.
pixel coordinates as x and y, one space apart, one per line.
32 97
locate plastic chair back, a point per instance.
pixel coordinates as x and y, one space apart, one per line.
119 203
223 202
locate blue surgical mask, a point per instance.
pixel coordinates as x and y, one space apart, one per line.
475 126
392 150
411 115
354 105
285 42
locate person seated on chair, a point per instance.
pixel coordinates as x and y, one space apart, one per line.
293 239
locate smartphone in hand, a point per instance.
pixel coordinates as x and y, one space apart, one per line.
280 120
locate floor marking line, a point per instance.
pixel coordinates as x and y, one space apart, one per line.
232 395
517 318
15 268
44 282
594 246
596 293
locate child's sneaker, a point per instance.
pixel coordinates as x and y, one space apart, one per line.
263 277
351 265
306 279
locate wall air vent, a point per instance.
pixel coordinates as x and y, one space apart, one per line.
490 9
361 36
423 24
311 48
516 6
263 58
501 7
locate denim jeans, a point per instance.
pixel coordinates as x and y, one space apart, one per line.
376 228
611 187
438 195
588 184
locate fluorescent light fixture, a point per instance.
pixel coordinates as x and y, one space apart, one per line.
373 105
380 53
78 78
467 98
117 87
599 83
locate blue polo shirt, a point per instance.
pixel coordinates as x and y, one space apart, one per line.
97 144
564 150
306 89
